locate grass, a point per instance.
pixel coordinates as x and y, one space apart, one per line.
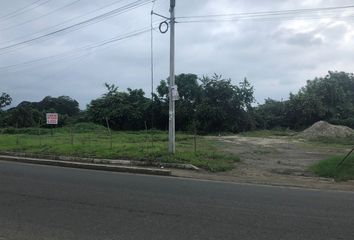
334 140
91 141
268 133
328 168
341 143
262 151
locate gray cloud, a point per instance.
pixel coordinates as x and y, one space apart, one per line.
303 39
277 56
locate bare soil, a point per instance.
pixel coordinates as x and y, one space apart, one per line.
268 156
276 161
325 129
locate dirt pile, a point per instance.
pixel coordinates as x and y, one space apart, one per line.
324 129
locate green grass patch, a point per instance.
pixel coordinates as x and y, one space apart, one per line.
262 151
329 142
268 133
328 168
95 142
334 140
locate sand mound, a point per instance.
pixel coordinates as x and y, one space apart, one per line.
324 129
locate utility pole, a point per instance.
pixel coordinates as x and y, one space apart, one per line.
171 112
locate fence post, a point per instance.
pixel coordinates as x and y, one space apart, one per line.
39 132
71 135
195 137
146 135
17 139
110 133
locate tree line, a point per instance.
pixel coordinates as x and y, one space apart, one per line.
329 98
206 104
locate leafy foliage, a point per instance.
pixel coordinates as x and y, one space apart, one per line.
32 114
123 110
5 100
208 104
330 98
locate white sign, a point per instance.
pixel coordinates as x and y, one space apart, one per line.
175 95
52 118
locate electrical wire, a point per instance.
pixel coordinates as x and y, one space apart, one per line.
273 15
64 22
39 17
284 18
79 50
23 10
79 25
70 63
270 13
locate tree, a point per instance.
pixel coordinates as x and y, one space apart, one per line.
124 110
63 105
189 92
30 114
213 103
220 105
21 116
271 114
5 100
329 98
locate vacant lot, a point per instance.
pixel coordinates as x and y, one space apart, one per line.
279 157
264 157
92 141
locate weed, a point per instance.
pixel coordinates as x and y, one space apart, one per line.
328 168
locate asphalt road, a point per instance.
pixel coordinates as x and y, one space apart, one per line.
44 202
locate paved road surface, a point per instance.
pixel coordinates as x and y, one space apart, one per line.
43 202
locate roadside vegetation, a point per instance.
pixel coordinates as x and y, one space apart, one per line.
339 143
332 141
328 168
207 105
94 141
269 133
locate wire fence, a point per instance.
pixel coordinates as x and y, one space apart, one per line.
93 143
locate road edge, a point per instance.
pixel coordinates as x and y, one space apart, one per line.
90 166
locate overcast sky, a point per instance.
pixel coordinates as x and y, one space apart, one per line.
276 55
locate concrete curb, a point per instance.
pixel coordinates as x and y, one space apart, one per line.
101 161
91 166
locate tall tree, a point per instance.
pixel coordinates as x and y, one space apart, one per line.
5 100
124 110
329 98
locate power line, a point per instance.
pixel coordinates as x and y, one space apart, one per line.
283 18
269 13
22 10
66 21
39 17
307 13
19 9
81 24
74 52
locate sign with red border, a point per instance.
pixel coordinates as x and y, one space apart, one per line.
52 118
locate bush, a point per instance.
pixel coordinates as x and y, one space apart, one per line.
86 127
29 131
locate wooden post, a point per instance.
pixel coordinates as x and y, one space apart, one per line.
39 132
195 137
110 133
71 136
17 140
